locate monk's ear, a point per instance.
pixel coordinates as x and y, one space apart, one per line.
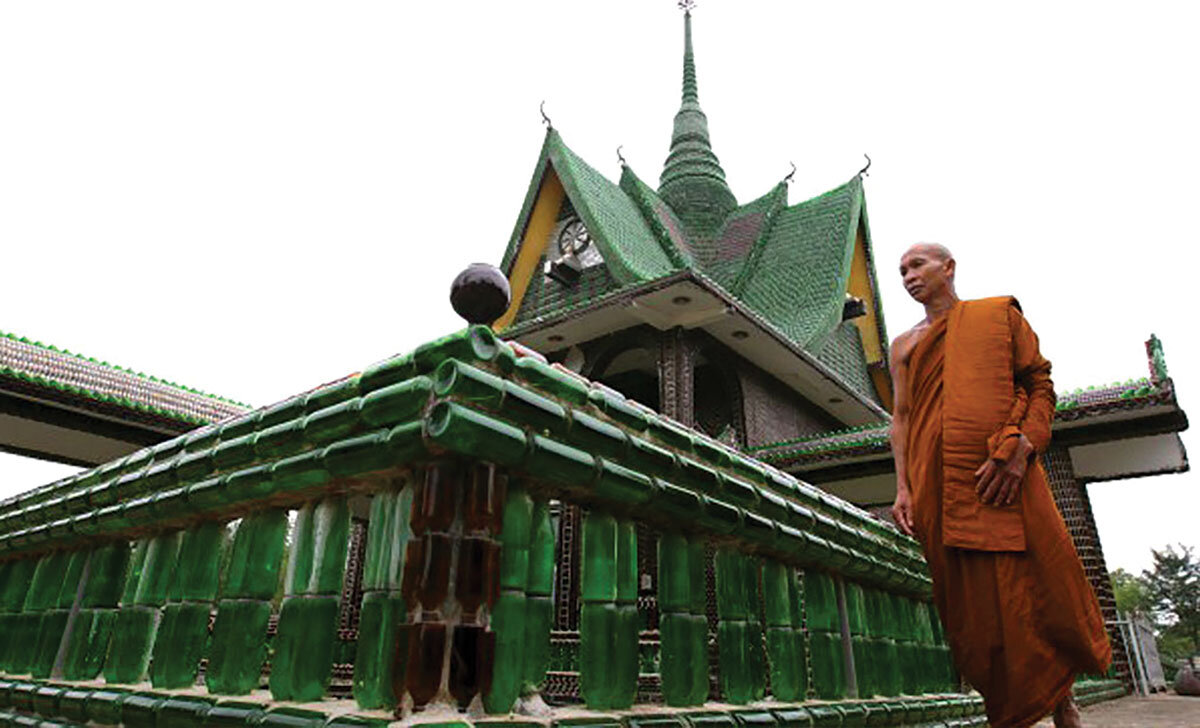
950 265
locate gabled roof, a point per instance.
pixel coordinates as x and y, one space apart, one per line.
798 273
789 266
630 250
72 409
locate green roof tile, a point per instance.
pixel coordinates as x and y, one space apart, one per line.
790 266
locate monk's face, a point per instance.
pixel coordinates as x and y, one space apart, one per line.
928 272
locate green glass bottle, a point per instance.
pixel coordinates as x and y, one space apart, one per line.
624 674
129 649
828 664
302 659
381 613
698 664
239 646
89 643
781 649
539 620
597 653
508 621
388 534
319 548
50 634
820 601
676 636
179 644
734 645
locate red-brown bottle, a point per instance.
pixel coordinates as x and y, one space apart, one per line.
426 654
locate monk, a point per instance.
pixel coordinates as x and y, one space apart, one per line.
973 407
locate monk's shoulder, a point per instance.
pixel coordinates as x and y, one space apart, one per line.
995 302
902 345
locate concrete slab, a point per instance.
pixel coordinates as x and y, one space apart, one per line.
1157 711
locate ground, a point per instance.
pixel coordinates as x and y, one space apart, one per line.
1158 711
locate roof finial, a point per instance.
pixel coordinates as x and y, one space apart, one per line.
545 119
690 90
790 175
863 172
621 157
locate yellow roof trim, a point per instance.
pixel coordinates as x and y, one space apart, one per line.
541 223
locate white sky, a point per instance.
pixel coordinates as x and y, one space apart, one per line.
253 198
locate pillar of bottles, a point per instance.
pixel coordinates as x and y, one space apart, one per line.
682 625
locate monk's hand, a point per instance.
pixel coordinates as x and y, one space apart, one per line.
998 482
902 509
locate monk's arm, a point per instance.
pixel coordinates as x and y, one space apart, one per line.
1027 430
902 508
1027 433
1032 373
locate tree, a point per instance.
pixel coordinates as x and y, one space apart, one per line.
1174 586
1131 592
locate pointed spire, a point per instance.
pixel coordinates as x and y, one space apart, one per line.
692 181
690 91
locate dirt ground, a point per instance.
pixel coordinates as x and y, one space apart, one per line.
1157 711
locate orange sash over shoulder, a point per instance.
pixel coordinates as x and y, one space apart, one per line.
979 396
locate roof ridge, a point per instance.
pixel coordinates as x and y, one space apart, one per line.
118 368
638 190
531 195
833 316
755 256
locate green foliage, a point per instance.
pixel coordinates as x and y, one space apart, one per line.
1131 592
1174 587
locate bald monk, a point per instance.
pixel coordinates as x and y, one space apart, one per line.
973 408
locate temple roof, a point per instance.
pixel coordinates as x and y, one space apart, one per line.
1137 408
73 409
789 266
51 367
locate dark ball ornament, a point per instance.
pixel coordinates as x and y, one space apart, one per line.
480 294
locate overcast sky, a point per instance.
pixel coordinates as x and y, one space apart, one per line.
253 198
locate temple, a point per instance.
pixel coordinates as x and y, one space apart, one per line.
645 488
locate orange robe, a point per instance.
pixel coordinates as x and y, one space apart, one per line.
1018 611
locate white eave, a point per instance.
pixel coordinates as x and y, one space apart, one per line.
692 302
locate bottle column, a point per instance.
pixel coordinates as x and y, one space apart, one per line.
381 619
539 601
239 638
451 582
183 633
824 633
682 625
625 667
865 668
54 620
138 619
510 612
927 654
784 642
524 612
17 576
739 633
90 637
302 659
598 611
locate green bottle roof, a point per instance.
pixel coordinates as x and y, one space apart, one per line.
787 263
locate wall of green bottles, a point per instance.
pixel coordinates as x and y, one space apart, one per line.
144 568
